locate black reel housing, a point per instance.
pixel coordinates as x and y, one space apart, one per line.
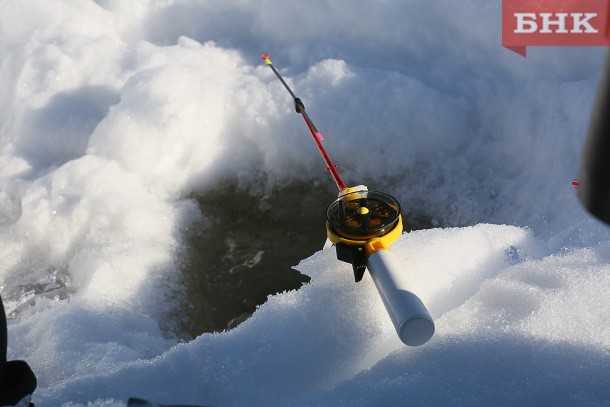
363 215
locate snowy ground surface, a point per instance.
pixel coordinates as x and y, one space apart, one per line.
113 114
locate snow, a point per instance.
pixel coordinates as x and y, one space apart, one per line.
114 113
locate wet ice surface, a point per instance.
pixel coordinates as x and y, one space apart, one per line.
245 250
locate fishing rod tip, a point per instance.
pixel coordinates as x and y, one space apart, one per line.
264 56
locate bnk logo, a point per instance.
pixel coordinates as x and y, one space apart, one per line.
554 22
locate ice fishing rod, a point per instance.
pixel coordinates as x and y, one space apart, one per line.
362 224
317 136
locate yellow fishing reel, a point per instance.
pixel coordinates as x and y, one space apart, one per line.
361 222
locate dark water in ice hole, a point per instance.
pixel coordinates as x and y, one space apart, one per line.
245 251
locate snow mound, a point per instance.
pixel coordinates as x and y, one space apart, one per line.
528 317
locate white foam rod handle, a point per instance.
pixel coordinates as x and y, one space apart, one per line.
410 317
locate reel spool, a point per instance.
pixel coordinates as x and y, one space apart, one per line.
363 215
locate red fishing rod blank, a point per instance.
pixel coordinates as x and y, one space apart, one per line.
317 136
